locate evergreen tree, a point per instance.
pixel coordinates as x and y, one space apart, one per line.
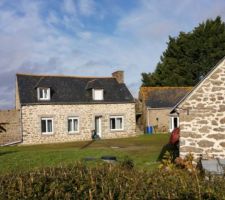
190 56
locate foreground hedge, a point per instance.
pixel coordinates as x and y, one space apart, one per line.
109 182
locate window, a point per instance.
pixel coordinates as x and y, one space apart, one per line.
73 124
43 93
46 125
116 123
97 94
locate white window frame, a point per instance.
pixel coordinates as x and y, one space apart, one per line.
115 117
39 90
172 122
46 119
95 97
78 124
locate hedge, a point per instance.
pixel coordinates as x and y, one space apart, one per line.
109 182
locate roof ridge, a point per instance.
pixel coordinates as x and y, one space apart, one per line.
63 76
213 69
145 91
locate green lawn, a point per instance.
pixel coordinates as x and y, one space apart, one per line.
143 150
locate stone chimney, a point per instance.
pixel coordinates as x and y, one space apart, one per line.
118 75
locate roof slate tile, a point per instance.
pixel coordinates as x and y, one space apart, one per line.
163 97
66 89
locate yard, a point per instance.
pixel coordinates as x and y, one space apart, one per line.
143 150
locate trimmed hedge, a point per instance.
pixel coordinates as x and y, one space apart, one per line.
109 182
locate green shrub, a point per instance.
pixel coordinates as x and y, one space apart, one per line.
109 182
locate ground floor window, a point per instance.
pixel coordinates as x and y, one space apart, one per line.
174 122
73 124
116 123
46 125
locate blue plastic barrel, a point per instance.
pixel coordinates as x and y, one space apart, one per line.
149 129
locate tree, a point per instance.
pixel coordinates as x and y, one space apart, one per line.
190 56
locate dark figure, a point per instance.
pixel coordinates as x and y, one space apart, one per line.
94 135
172 146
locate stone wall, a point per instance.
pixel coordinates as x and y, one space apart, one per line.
9 126
202 118
17 99
32 114
139 112
143 117
162 124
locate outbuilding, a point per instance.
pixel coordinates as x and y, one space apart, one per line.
202 116
157 103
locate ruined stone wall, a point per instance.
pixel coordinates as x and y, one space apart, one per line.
162 124
143 117
31 118
9 126
202 118
139 114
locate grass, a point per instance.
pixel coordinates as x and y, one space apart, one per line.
143 150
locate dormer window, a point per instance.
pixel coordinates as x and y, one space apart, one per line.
43 93
97 94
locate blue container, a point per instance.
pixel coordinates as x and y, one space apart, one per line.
149 129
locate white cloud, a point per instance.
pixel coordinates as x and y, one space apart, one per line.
69 7
86 7
52 18
9 93
148 22
60 43
86 35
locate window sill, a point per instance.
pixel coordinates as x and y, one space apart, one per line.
94 100
73 133
117 130
44 99
49 133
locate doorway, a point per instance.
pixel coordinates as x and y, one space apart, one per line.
98 125
174 122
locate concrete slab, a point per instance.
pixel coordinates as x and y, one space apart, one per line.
213 166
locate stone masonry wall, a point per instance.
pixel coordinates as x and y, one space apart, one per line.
10 126
202 118
17 99
162 124
31 118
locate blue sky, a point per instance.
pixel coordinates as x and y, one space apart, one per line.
91 37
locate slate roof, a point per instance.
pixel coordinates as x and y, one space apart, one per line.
71 90
163 97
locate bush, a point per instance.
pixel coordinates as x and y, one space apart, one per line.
127 163
109 182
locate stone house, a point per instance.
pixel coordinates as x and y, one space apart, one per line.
67 108
202 116
157 103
